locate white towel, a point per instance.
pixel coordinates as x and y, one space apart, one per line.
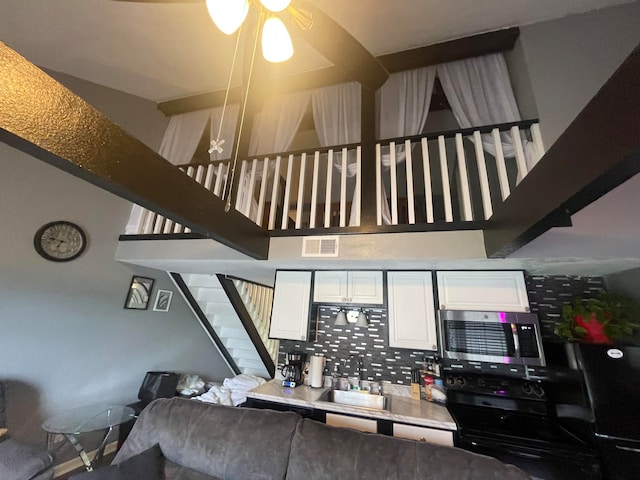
216 394
233 390
240 385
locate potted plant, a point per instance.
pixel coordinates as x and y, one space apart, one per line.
606 319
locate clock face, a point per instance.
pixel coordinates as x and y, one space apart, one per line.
60 241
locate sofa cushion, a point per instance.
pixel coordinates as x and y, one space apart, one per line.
219 441
147 465
174 471
19 461
320 451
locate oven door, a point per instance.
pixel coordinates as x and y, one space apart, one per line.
550 462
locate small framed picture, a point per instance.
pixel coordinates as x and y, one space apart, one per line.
139 293
163 301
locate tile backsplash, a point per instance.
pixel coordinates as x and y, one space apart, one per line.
380 362
546 295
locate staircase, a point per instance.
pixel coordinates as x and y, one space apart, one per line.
213 296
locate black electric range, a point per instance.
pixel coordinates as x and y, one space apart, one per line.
514 421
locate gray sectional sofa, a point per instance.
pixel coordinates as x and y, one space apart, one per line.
202 442
17 460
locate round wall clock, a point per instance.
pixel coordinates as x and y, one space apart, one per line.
60 241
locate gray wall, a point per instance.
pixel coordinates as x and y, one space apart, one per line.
569 59
65 338
625 283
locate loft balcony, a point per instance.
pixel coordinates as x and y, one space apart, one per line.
509 203
450 180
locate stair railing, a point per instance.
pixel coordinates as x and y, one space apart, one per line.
257 301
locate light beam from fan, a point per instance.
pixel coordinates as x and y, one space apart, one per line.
228 15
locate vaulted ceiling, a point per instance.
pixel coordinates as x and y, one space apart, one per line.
165 51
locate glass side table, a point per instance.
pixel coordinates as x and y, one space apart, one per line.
88 419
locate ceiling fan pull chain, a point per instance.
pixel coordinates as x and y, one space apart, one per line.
216 145
227 207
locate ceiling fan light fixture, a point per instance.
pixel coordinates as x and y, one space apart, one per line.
228 15
275 5
276 41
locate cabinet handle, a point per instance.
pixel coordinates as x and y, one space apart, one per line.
526 309
303 337
344 299
422 439
442 307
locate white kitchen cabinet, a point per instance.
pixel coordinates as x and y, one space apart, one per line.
423 434
412 321
497 291
362 424
357 287
291 301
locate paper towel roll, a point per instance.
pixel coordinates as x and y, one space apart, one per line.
316 367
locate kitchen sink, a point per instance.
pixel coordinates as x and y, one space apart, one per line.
356 399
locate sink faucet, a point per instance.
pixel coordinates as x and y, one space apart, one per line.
358 365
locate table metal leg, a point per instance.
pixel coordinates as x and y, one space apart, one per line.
89 464
80 449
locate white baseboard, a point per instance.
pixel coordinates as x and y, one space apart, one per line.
76 463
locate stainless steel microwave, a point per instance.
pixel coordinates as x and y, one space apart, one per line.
497 337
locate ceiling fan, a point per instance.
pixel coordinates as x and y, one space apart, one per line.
310 23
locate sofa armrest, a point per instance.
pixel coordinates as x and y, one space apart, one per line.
217 440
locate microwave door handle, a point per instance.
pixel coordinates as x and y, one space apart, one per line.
516 340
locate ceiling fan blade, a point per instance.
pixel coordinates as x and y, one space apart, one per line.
338 46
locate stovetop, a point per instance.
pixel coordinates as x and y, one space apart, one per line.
507 409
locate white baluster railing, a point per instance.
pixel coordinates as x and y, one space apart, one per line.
258 301
461 175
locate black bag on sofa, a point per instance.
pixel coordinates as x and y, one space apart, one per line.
158 385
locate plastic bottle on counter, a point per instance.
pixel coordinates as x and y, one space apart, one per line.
427 380
438 392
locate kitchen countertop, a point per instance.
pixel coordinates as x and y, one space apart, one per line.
403 409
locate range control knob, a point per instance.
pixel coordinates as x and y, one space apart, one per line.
461 381
451 381
481 382
538 391
527 389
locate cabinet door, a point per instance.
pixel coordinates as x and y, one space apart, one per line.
423 434
365 287
330 287
489 291
362 424
412 322
290 313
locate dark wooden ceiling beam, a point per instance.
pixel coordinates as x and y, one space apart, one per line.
597 152
42 118
482 44
476 45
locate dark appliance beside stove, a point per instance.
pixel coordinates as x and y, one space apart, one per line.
612 377
513 420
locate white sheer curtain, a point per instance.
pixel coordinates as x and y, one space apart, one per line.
479 92
182 136
273 131
178 145
336 114
402 106
277 125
